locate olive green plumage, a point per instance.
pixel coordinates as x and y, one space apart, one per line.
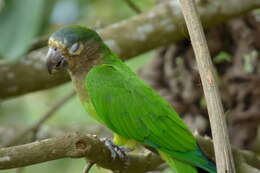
120 100
74 34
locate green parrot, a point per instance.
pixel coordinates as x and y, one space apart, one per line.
117 98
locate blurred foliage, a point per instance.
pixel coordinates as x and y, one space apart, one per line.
222 57
118 10
250 59
24 20
20 23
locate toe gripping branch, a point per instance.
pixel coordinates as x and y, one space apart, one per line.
116 151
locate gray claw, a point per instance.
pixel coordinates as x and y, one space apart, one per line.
114 149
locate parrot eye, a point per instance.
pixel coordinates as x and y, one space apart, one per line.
76 48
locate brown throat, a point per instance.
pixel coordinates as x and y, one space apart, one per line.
80 65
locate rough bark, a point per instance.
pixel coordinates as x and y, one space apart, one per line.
76 145
222 147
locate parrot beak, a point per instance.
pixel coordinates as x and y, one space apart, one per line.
55 60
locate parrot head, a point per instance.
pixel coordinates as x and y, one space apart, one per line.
72 47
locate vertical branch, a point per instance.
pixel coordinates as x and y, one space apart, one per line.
224 158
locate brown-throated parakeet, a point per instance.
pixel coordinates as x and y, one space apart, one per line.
116 97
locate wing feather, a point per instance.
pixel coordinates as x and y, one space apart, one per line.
133 110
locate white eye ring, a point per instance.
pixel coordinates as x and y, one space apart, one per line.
76 48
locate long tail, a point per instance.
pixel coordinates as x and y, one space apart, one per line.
191 161
178 166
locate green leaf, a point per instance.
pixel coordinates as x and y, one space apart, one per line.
20 21
250 61
222 57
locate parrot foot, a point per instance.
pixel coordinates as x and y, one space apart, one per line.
115 150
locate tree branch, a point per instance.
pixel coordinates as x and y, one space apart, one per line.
160 26
245 160
79 146
75 146
224 157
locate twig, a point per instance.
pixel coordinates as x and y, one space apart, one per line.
34 128
133 6
224 158
88 167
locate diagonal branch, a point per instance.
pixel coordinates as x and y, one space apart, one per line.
35 127
160 26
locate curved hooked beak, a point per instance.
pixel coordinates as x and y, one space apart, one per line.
55 60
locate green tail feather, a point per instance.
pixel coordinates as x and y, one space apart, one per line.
196 158
178 166
207 164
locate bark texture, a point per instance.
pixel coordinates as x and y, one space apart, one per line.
75 145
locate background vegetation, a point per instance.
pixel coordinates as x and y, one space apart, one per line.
23 21
171 70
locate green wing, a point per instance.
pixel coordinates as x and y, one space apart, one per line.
133 110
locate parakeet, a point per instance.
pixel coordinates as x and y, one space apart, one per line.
117 98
